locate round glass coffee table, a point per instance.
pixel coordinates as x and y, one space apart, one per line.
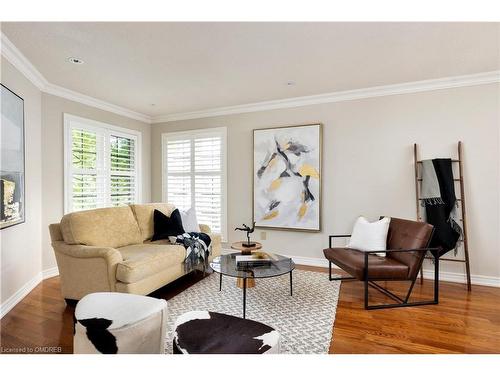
226 265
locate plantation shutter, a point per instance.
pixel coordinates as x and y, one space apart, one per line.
123 170
208 180
195 173
88 185
101 165
178 163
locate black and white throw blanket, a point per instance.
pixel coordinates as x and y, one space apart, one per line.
438 198
198 248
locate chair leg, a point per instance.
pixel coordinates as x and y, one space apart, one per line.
435 301
436 280
71 302
385 291
410 290
366 280
342 278
402 303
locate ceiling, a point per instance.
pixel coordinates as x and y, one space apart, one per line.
168 68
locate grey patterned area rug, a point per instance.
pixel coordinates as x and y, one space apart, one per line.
305 320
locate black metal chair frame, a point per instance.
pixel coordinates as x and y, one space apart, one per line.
371 282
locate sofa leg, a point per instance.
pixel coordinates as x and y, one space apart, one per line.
71 302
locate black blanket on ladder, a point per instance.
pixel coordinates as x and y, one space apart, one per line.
441 214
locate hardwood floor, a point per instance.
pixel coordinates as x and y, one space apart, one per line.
461 323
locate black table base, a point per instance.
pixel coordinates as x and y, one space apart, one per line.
245 290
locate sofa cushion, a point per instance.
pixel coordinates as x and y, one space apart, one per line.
106 227
141 261
144 216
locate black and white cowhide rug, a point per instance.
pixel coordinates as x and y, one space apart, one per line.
304 320
199 332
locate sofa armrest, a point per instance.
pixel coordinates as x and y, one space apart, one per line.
86 269
216 244
204 228
82 251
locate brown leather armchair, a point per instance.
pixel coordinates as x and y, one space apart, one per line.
407 244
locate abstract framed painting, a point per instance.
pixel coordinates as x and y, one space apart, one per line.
287 177
12 205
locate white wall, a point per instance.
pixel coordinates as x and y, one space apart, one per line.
20 244
26 252
53 109
368 163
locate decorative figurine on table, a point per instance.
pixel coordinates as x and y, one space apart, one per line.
249 230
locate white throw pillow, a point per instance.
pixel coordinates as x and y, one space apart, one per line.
368 236
189 220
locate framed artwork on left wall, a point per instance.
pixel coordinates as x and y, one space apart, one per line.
287 177
12 200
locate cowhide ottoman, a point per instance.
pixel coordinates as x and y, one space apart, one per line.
120 323
205 332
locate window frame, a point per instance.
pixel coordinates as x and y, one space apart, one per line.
191 135
76 122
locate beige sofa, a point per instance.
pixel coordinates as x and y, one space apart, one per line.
110 249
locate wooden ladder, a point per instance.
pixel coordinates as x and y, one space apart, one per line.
460 200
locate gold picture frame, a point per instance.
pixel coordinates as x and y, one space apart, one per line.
257 201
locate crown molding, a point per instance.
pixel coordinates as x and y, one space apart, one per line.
21 63
65 93
16 58
340 96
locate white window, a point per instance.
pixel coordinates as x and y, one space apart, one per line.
194 174
101 165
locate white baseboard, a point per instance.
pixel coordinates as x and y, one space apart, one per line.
456 277
453 277
17 297
50 272
315 262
